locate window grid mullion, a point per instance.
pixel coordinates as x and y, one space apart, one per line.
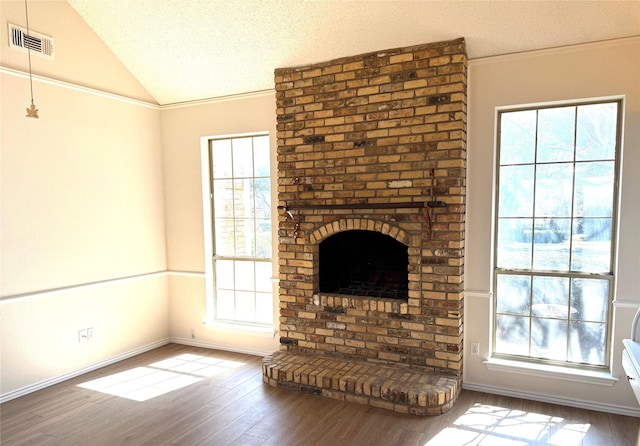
530 309
571 224
255 224
535 190
233 200
533 229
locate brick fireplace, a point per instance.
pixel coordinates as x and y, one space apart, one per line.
373 143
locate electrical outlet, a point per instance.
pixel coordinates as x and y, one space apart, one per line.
91 333
193 334
475 348
82 335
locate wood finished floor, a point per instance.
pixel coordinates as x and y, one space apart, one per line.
224 402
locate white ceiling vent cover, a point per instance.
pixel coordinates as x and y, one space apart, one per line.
38 43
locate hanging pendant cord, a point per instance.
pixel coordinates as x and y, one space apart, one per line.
26 13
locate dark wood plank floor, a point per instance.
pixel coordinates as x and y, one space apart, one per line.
224 402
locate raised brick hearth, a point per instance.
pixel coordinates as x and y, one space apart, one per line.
375 142
400 389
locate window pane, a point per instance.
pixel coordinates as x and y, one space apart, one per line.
591 248
551 296
245 277
596 230
554 190
263 277
590 299
514 243
245 238
221 158
224 236
588 343
551 230
516 191
225 304
549 339
512 335
261 156
264 307
243 195
223 198
224 274
513 294
262 191
555 134
551 247
596 132
518 137
245 306
242 158
594 189
263 239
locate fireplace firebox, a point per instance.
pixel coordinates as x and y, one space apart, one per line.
364 263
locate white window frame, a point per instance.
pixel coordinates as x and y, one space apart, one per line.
208 215
542 367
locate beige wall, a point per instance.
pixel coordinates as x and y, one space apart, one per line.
589 71
81 189
39 336
182 130
80 203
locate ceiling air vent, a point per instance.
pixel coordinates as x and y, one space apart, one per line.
38 43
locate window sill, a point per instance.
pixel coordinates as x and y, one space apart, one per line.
246 329
603 378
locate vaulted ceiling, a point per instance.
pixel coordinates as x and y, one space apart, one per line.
186 50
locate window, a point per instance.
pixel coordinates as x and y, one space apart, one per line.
554 245
241 220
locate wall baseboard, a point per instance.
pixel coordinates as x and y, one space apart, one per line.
191 342
58 379
580 404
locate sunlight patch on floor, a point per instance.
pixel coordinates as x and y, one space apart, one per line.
484 425
158 378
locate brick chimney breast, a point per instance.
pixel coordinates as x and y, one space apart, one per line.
375 142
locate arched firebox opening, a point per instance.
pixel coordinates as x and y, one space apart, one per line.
364 263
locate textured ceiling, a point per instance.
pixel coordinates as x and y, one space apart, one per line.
184 50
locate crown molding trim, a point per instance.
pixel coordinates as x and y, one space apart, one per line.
75 87
554 50
219 99
113 96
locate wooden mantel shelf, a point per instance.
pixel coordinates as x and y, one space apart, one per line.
403 205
